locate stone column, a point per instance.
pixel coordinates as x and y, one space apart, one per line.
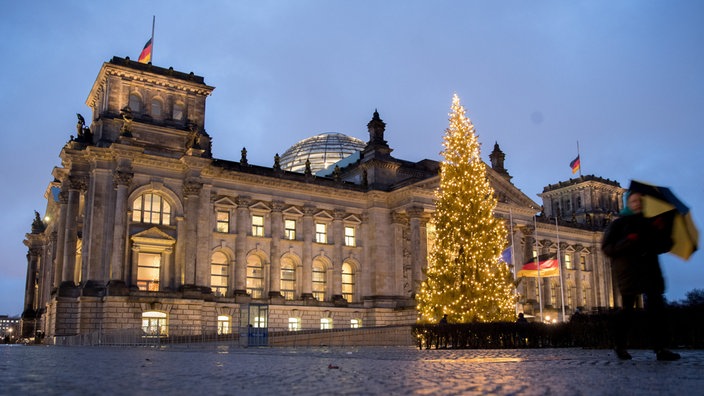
307 259
60 236
277 232
32 271
401 268
578 277
191 192
243 229
203 236
418 247
121 182
179 274
338 237
76 185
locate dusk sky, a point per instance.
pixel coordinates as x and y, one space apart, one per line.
625 79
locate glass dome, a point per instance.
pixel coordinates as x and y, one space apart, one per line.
321 150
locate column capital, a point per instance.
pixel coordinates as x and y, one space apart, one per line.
122 178
191 187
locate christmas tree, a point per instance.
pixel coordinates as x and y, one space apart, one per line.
466 279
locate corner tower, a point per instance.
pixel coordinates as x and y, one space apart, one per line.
145 105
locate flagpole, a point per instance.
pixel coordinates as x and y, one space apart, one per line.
537 262
154 22
580 159
559 266
513 253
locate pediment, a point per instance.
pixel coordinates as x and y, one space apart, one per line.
353 219
260 206
225 201
323 215
293 211
153 236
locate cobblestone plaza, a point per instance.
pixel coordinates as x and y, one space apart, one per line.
226 370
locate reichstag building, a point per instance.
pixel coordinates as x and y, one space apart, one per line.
144 229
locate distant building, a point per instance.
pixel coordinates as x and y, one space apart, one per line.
9 329
145 230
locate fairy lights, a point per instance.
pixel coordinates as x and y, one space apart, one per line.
465 278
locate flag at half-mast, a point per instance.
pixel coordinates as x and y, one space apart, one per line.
575 164
146 55
549 266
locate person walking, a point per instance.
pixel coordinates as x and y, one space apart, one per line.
633 244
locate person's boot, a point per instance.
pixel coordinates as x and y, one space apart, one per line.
667 355
623 354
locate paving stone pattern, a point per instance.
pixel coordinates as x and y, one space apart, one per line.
230 370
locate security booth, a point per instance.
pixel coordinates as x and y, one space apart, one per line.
254 325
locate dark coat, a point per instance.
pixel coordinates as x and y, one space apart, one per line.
633 244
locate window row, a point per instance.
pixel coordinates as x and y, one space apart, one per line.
290 229
157 108
155 324
152 208
149 270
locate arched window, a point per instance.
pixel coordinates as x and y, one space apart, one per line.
156 108
178 112
348 282
151 208
219 274
135 103
319 280
254 277
288 279
154 324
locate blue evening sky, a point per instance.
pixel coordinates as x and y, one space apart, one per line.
624 78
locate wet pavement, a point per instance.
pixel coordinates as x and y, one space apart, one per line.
228 370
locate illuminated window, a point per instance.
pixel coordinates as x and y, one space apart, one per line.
260 322
219 274
290 229
355 323
325 323
321 233
156 108
294 324
148 266
154 324
224 325
135 103
178 112
151 208
254 277
257 226
347 282
350 239
288 279
318 281
223 221
568 261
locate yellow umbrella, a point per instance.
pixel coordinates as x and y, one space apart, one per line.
660 200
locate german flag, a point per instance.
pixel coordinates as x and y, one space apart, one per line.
146 55
575 164
549 266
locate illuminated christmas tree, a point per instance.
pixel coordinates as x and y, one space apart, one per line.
466 278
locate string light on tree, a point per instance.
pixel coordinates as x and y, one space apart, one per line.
466 279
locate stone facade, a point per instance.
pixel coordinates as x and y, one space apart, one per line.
145 229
